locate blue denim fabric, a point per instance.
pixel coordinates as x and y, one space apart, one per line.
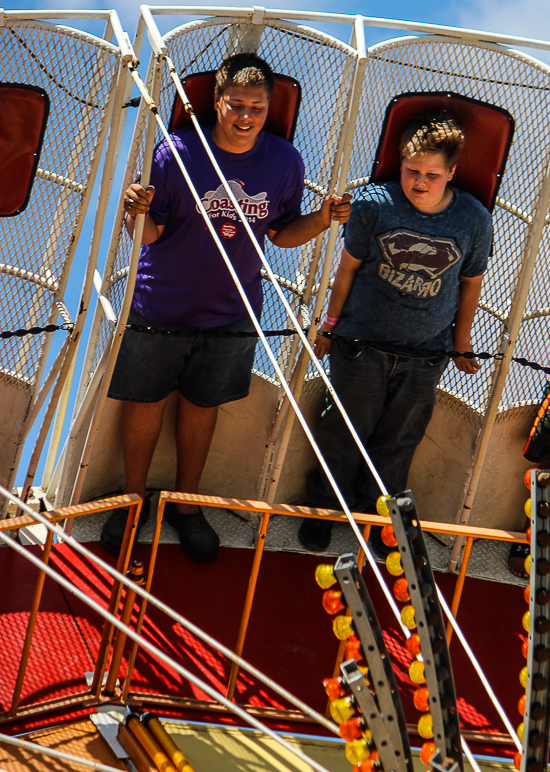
206 371
389 400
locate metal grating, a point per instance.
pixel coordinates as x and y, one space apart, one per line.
77 71
521 85
297 51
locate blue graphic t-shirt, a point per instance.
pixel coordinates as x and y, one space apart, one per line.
406 292
182 278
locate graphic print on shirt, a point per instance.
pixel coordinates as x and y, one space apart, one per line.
217 204
414 262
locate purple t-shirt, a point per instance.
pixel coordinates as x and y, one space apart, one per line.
182 278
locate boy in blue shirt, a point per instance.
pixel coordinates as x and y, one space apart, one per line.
405 293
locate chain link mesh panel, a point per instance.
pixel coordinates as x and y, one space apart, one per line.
77 71
324 67
521 85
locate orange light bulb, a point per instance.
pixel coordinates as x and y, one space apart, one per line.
365 766
388 536
401 590
421 699
352 649
525 647
413 645
528 535
525 621
382 506
527 477
352 729
527 594
517 760
426 752
393 564
331 601
324 576
407 617
356 751
426 726
523 676
343 628
416 672
342 709
334 687
521 705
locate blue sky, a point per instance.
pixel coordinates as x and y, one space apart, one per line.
528 18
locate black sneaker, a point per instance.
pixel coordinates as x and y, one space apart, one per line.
315 534
113 529
197 537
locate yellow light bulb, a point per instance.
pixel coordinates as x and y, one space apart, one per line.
416 672
426 726
324 576
343 628
342 709
523 676
520 732
382 506
527 564
393 564
525 621
357 751
407 617
527 507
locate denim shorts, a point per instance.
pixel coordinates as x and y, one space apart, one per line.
206 371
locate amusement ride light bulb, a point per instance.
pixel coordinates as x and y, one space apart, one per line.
388 536
527 564
324 576
528 535
382 506
342 709
523 676
525 621
426 726
367 765
407 617
421 699
527 507
525 647
517 760
527 478
519 731
416 672
343 627
352 729
426 752
357 751
521 705
527 594
352 649
334 687
393 564
412 645
401 590
332 601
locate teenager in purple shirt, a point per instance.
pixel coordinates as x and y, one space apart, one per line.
184 284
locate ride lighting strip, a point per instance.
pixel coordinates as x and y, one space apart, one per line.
157 653
536 721
382 712
429 624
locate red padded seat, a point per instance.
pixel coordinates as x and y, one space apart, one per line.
282 116
488 130
23 114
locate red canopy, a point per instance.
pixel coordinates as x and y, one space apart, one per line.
23 114
488 134
282 116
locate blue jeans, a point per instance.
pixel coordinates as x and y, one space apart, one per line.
389 400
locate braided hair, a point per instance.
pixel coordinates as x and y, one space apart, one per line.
433 133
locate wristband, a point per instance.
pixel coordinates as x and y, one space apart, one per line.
332 320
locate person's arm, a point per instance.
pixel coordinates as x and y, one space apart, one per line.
137 200
470 291
343 281
306 226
